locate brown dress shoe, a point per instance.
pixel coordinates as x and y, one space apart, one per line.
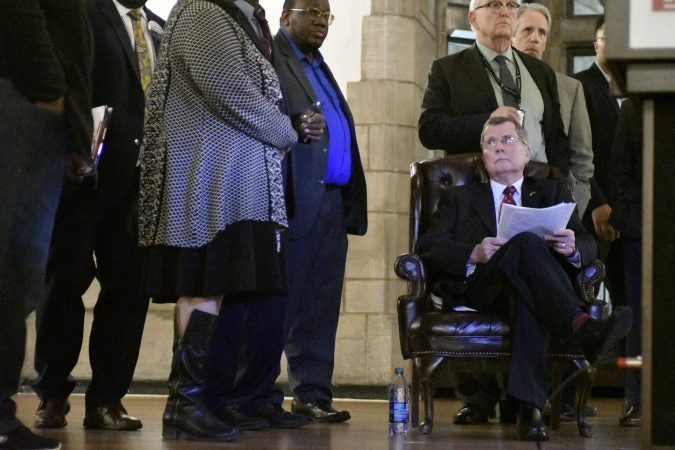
52 413
111 417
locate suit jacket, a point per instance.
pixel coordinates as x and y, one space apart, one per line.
466 215
459 99
45 51
626 171
603 111
578 129
116 83
307 162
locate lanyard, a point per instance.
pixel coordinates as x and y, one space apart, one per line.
516 94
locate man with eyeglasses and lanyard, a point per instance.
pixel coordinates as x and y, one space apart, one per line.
524 278
487 80
326 198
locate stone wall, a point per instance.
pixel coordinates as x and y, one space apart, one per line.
400 39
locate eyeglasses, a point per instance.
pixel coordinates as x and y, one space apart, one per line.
315 13
507 140
495 6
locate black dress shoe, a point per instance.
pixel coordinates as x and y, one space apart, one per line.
237 419
52 413
599 338
631 416
470 415
22 437
111 417
531 424
320 410
277 417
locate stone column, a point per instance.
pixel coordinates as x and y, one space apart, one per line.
400 39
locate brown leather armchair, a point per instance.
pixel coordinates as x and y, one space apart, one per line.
440 342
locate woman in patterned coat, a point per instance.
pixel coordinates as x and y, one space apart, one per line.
211 207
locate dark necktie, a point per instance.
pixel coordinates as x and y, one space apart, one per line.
508 197
509 88
259 15
141 48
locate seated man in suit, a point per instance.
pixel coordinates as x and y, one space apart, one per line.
524 278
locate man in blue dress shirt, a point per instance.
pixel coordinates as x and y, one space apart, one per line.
326 195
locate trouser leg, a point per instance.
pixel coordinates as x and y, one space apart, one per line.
32 149
120 312
632 252
70 271
316 275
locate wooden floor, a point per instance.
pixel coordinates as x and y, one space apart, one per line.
367 430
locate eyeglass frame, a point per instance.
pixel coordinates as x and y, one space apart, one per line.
315 12
507 140
509 9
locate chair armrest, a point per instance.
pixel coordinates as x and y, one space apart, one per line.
591 275
410 267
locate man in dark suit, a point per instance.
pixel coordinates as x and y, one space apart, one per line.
45 93
326 192
603 111
97 217
463 91
626 202
466 88
524 278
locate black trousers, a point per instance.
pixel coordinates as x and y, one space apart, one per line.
88 225
244 355
527 283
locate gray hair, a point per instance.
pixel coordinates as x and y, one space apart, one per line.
498 120
472 5
537 7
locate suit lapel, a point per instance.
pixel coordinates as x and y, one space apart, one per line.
603 86
530 195
484 205
479 79
243 22
294 65
156 40
110 13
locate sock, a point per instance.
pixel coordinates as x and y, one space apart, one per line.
578 320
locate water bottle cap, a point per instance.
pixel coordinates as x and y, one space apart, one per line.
398 371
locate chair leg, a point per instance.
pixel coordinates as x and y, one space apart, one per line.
428 393
584 392
415 395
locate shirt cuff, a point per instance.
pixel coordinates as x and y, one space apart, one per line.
575 259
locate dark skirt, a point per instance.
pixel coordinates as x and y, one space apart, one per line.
246 261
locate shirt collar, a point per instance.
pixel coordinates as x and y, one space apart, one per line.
318 57
490 54
246 8
123 10
498 188
604 74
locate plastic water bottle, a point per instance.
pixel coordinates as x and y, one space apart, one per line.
399 402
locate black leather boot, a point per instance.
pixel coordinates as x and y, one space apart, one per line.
186 415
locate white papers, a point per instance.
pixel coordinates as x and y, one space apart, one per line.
540 221
101 118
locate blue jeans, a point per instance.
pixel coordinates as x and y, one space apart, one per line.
33 145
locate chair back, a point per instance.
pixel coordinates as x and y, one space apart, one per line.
430 178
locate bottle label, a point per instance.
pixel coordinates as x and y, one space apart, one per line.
398 412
